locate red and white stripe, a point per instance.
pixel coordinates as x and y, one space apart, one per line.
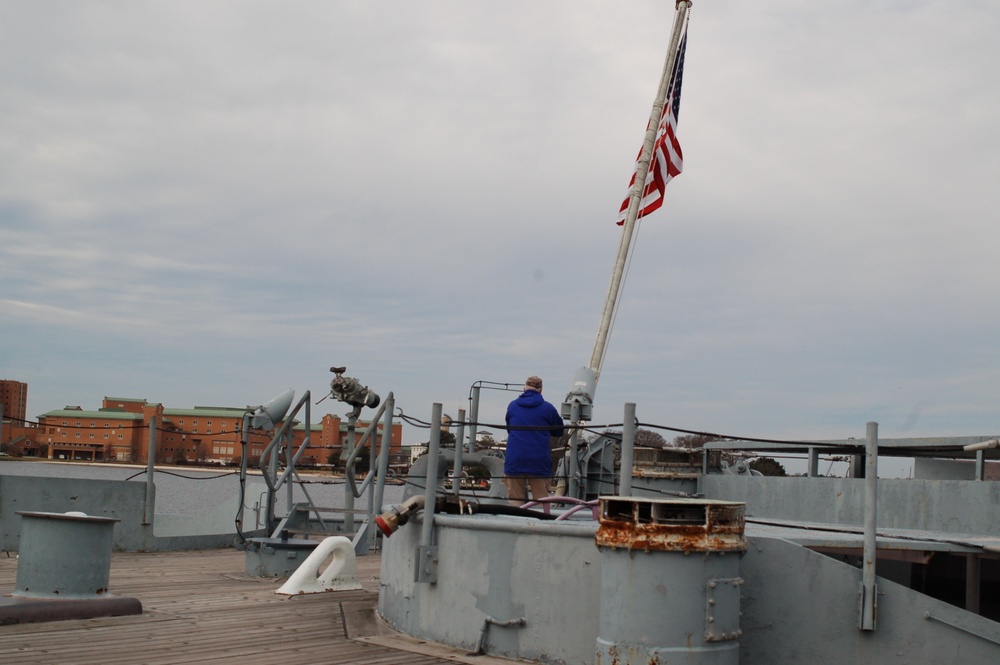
667 162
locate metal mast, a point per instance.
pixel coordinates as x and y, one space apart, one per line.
635 196
578 405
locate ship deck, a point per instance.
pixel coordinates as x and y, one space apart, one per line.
200 607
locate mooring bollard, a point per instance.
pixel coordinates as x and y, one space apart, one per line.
670 584
64 555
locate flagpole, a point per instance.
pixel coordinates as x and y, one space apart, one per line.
635 196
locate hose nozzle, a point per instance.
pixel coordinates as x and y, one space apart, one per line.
398 515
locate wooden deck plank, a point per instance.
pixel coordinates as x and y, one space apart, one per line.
200 608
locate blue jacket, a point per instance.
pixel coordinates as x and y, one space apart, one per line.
528 451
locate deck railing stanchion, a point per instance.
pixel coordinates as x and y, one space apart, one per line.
628 447
869 590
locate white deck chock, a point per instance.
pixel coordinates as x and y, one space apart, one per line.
340 575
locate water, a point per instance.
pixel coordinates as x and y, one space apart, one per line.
183 491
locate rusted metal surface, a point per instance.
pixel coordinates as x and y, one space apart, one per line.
675 525
29 610
615 656
670 462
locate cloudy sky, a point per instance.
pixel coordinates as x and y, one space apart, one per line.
209 203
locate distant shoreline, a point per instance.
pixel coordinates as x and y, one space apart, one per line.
161 467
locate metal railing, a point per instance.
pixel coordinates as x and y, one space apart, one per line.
281 449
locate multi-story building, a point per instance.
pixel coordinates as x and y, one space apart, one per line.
14 399
14 404
125 429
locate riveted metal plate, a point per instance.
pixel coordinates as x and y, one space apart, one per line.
722 609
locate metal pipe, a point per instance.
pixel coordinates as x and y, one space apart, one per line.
383 456
378 467
868 589
433 449
290 468
460 431
398 515
473 418
272 499
700 483
813 464
983 445
370 436
244 437
573 455
374 449
979 631
580 529
456 471
628 447
150 470
285 433
481 643
349 472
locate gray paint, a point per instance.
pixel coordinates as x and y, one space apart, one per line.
552 581
938 469
950 506
669 607
63 556
811 616
798 606
115 499
548 574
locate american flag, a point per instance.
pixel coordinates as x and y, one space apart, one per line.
667 160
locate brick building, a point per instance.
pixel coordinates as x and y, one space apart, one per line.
14 399
14 402
119 431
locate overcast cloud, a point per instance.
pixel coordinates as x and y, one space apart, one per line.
208 203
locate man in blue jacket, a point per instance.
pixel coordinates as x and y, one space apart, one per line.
530 422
